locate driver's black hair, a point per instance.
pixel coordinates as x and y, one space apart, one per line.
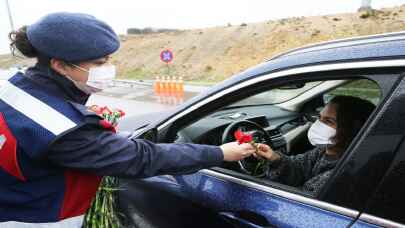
351 114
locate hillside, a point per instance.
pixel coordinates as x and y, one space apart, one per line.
213 54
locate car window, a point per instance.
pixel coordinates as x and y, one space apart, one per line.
363 88
212 130
277 95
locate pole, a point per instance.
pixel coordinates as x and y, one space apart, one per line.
10 18
365 4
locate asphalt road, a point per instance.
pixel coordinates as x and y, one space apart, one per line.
139 99
133 98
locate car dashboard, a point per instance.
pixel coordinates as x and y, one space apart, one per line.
209 130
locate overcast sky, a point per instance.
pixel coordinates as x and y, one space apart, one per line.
123 14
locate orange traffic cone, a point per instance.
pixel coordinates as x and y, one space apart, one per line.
164 86
172 86
157 85
161 87
180 90
180 86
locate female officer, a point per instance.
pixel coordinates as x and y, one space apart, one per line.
53 150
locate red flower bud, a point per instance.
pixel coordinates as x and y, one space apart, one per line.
105 110
122 113
107 125
242 137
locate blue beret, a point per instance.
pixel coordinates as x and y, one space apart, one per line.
72 37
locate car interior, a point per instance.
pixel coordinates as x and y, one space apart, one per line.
279 117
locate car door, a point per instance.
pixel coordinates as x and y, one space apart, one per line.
385 208
220 198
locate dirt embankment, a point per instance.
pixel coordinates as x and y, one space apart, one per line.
213 54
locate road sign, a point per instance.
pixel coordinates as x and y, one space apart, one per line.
166 56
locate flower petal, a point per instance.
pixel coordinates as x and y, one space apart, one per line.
247 138
122 113
238 134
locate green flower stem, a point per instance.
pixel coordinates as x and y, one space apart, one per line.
261 165
103 211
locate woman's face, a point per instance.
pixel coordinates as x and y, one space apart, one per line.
80 71
328 116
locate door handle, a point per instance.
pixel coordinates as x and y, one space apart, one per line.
246 219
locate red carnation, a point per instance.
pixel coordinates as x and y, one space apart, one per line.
105 110
243 137
107 125
122 113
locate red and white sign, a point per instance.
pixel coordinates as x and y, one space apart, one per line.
166 56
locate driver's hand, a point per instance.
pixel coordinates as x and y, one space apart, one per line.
235 152
266 152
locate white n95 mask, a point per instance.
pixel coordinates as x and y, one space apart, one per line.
99 78
321 134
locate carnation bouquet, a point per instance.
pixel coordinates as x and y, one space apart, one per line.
103 210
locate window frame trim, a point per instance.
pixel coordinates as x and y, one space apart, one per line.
364 217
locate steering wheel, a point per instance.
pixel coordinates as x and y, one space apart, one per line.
248 165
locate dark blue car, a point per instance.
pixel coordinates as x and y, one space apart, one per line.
282 97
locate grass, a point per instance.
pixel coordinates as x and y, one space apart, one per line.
201 83
136 74
364 89
372 95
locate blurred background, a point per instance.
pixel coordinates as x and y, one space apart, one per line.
210 40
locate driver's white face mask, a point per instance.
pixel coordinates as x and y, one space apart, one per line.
99 78
321 134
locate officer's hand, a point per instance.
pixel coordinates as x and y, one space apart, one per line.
235 152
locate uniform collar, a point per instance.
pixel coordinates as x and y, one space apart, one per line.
56 84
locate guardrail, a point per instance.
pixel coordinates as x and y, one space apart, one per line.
132 83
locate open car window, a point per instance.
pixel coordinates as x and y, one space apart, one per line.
264 110
363 88
277 95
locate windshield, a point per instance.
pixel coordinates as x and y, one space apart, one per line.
275 96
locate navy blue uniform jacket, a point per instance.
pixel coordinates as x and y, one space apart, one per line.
105 153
